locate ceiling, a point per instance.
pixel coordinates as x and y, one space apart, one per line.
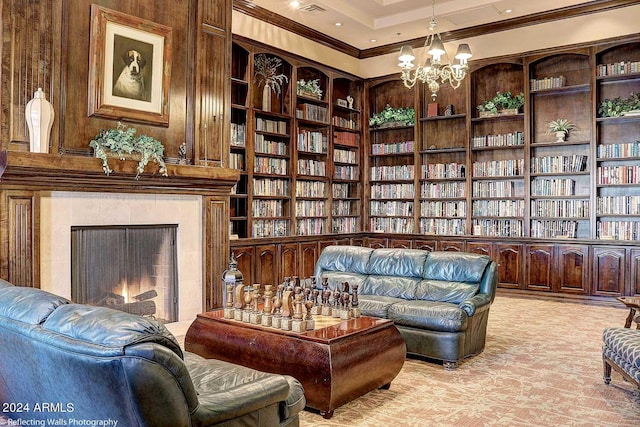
367 24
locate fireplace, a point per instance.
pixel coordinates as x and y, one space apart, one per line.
128 268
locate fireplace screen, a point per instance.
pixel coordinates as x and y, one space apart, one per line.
128 268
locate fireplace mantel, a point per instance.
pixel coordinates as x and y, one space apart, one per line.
79 173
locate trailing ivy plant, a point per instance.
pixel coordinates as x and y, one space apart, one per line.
617 106
122 141
406 116
310 86
503 101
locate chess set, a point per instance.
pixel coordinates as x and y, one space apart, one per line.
294 305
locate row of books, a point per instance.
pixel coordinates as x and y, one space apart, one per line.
271 126
618 175
238 134
342 190
560 208
310 189
547 83
394 208
454 227
559 164
502 140
317 113
346 138
498 168
392 191
553 187
344 122
443 170
392 148
506 208
631 149
267 146
379 173
498 227
457 208
618 68
435 190
267 208
310 208
345 156
618 230
271 165
618 205
493 189
270 228
344 225
312 167
391 225
552 229
312 142
346 172
270 187
309 226
344 207
236 161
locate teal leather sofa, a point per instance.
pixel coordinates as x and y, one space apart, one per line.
78 363
439 301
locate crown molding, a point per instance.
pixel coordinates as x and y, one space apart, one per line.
595 6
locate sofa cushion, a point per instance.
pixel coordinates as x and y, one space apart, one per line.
390 286
28 305
335 279
624 343
453 292
376 306
344 258
397 262
433 315
108 328
455 266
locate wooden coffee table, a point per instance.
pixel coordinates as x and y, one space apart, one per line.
337 362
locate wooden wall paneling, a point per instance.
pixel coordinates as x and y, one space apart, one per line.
309 253
216 260
289 258
30 59
19 228
267 267
573 269
540 261
608 271
246 258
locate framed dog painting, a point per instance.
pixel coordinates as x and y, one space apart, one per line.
129 68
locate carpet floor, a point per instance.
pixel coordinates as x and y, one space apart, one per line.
541 366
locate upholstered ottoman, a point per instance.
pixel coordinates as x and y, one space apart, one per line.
621 351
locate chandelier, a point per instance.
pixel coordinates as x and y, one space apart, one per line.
435 70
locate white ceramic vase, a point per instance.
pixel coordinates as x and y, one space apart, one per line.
39 116
266 97
560 136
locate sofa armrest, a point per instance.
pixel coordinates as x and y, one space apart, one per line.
476 304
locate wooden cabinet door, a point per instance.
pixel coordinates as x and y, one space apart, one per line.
245 256
480 248
425 245
267 265
608 269
510 264
376 243
634 279
400 243
308 256
289 262
451 245
572 269
540 267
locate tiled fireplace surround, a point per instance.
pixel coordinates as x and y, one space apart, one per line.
60 210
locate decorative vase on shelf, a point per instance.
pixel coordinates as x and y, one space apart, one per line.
266 97
39 116
560 136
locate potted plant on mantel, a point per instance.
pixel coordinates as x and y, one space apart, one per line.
561 128
266 69
122 143
393 117
310 88
503 104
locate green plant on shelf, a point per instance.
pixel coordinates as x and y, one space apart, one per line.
123 143
617 107
502 101
311 87
560 125
389 115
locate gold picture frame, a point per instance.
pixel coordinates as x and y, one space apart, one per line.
129 68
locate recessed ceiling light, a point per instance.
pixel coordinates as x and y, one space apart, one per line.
508 11
294 3
373 40
338 24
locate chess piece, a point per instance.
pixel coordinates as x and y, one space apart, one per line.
228 307
310 322
267 316
355 304
248 297
326 300
335 310
239 302
255 316
298 324
277 307
316 308
287 311
231 277
345 313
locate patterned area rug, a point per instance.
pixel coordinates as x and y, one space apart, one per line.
542 366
